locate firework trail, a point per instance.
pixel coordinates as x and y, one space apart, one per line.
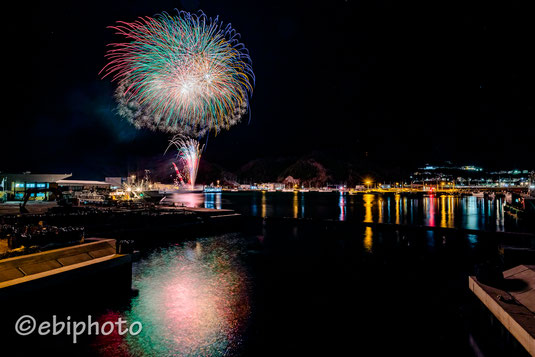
190 154
184 74
178 175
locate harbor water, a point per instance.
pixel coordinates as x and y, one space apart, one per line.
447 211
299 288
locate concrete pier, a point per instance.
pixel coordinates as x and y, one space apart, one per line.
20 276
513 307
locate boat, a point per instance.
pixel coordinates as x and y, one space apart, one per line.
153 195
328 190
212 189
490 195
478 194
182 190
509 197
89 197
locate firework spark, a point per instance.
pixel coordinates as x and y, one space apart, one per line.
189 153
178 175
180 74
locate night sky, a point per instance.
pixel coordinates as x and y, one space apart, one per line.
405 84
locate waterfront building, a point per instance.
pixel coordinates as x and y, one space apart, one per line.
14 185
115 182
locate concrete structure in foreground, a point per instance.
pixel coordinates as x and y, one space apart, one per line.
514 309
26 274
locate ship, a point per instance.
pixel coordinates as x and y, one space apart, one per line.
212 189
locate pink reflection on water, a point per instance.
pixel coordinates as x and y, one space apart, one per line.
431 213
114 343
187 199
193 301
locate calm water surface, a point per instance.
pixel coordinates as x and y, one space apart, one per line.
193 301
296 290
299 290
437 211
303 290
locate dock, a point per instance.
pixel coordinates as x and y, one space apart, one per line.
513 304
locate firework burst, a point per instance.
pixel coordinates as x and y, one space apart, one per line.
189 153
180 74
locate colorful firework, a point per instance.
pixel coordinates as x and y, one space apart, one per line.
189 153
178 176
180 74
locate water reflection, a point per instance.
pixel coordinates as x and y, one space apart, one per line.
472 239
470 212
368 239
263 215
443 215
192 301
187 199
212 200
443 211
380 209
368 203
342 205
429 203
450 211
397 208
296 204
302 206
499 216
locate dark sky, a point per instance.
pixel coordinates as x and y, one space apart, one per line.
407 84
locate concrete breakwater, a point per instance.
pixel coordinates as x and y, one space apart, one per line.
26 274
512 303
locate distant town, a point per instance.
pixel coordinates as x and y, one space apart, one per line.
29 186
